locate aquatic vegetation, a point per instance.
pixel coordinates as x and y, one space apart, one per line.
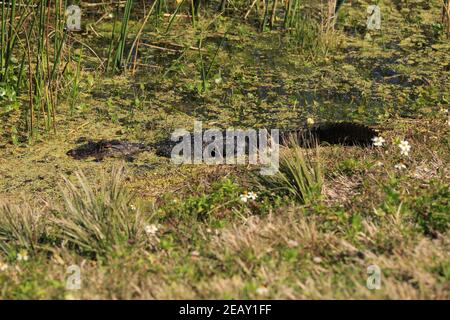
26 37
374 192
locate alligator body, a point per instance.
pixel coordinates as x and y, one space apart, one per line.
107 148
344 133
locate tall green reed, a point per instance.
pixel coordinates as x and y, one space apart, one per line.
116 62
32 32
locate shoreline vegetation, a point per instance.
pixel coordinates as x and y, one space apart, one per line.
141 227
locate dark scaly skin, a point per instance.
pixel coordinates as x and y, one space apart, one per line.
107 148
344 133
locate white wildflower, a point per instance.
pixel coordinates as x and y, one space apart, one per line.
378 141
317 259
400 166
151 229
262 291
132 207
244 197
252 195
310 121
22 256
195 253
3 267
248 196
405 147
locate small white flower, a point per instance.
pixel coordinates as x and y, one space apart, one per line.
317 259
195 253
400 166
252 195
248 196
244 197
262 291
405 147
151 229
22 256
378 141
3 267
132 207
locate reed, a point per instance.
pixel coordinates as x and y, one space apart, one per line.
446 16
174 15
33 31
118 62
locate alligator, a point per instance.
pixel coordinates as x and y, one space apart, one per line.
343 133
107 148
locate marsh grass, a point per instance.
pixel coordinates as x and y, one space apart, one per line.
205 67
35 33
98 221
21 228
35 50
446 16
116 61
212 244
300 175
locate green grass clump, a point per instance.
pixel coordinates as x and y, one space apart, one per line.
300 175
96 222
21 228
432 210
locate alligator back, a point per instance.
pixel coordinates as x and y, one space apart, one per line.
344 133
106 148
